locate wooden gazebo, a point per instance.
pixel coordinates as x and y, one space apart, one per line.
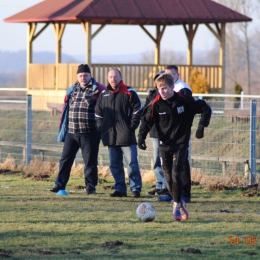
159 13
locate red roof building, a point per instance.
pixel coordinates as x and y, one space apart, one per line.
160 13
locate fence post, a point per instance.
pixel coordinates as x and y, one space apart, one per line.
28 129
242 100
252 145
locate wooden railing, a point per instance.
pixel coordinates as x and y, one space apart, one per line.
140 76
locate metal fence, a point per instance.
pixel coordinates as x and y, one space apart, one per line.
230 144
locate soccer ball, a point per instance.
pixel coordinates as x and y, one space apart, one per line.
146 212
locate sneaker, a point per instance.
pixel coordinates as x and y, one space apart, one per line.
55 189
166 198
162 192
135 194
186 199
176 212
90 192
117 194
184 212
152 192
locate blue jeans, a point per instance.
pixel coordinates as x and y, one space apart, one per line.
160 179
117 168
89 144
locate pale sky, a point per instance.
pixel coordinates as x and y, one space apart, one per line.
112 40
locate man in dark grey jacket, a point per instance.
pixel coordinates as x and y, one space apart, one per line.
118 113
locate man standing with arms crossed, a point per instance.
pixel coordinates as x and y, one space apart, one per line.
172 115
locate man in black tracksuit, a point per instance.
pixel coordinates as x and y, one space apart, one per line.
160 186
173 114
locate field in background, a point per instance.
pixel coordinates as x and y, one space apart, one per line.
37 224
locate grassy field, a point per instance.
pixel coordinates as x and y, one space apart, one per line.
37 224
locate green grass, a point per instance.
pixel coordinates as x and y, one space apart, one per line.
36 224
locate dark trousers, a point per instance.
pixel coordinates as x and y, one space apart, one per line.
172 165
89 145
186 178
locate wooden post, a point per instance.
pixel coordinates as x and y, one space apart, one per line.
152 163
42 155
31 36
24 155
101 160
58 30
220 34
157 41
28 130
87 29
224 164
222 55
157 47
190 33
30 33
190 46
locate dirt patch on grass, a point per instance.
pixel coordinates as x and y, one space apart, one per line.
7 172
9 253
5 253
112 244
217 187
191 250
102 180
38 177
251 191
80 187
195 183
109 187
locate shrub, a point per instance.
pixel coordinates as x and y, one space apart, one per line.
237 90
198 83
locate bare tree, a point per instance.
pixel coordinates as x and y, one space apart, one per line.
239 40
167 57
247 7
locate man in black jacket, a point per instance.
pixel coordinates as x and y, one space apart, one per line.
173 114
118 113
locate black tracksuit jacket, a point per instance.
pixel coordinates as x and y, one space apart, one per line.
173 119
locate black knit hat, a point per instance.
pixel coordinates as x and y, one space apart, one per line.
83 68
158 74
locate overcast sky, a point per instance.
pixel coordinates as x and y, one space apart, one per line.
112 40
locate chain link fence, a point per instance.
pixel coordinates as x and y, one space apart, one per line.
230 144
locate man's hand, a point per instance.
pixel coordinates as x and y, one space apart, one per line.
141 144
200 132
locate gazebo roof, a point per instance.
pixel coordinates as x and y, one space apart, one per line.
168 12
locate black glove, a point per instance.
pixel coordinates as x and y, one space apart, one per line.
141 144
200 132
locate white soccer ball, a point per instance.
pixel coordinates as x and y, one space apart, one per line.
146 212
